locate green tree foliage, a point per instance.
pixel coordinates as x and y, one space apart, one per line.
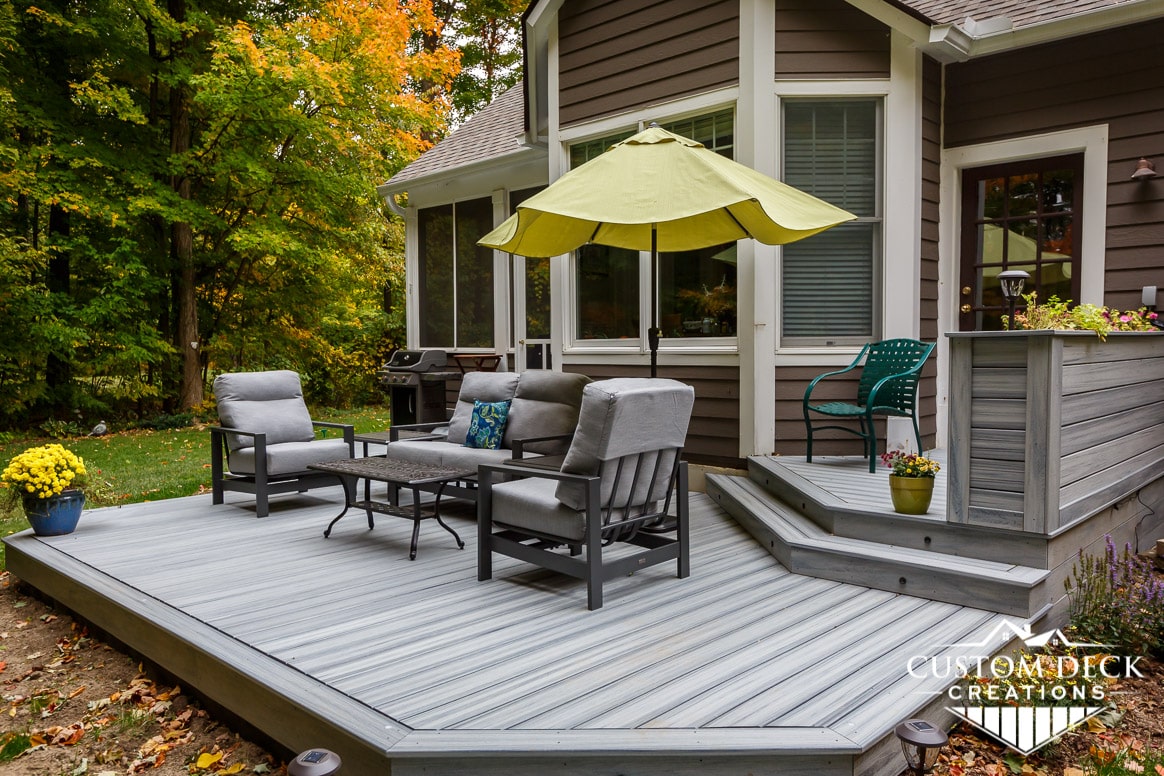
487 34
189 186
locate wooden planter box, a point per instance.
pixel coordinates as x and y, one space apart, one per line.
1050 427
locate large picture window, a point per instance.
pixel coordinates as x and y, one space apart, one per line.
455 281
696 291
830 282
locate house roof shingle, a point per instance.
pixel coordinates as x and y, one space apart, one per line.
494 131
1021 13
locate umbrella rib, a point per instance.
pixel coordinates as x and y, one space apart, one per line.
736 221
594 234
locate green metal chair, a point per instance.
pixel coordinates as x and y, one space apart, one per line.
888 386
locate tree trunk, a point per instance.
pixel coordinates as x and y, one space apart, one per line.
59 370
182 238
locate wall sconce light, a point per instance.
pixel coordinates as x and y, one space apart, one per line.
1012 282
1144 170
920 743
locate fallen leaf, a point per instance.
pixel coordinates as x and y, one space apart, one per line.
77 691
206 759
236 768
1074 772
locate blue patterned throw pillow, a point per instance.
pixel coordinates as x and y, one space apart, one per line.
487 424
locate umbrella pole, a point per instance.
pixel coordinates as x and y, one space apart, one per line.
653 332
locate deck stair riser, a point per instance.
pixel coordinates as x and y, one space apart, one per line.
804 547
859 521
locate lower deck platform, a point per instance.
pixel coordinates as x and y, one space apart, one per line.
416 667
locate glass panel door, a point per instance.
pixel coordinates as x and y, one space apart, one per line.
1019 216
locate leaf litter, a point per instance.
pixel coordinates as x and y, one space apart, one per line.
71 704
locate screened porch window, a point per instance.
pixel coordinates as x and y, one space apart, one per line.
830 281
455 281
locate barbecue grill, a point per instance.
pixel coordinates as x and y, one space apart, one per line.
415 383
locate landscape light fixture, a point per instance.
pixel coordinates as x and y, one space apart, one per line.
1012 282
315 762
920 743
1144 170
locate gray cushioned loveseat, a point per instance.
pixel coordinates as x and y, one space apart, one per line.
543 414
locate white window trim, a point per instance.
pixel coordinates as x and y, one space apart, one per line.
634 349
1092 141
898 303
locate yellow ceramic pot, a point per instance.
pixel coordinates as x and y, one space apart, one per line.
911 495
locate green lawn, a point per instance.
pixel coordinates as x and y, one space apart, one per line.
144 465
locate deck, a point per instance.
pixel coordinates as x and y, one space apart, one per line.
416 666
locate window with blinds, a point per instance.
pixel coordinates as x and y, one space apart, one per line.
832 150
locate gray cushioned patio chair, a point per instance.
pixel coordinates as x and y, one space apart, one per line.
267 438
616 484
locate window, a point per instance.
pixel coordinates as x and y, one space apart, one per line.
831 280
696 289
456 275
1019 215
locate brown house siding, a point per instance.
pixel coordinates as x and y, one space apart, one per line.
1114 78
930 198
714 435
616 56
829 39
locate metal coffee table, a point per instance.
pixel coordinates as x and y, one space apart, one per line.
397 472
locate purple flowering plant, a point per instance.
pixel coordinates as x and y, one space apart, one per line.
1118 599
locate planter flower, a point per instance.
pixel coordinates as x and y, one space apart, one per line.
911 482
1061 316
49 480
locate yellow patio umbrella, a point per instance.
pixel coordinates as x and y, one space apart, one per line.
659 191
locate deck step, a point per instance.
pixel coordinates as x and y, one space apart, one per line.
802 546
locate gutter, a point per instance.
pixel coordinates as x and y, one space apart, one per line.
971 38
389 189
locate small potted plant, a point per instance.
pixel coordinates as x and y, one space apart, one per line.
911 481
49 481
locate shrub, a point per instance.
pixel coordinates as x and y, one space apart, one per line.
1116 599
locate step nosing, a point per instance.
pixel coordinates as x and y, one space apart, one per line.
821 540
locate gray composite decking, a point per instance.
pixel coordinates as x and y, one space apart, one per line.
344 643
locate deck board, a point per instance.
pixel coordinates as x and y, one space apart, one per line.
741 646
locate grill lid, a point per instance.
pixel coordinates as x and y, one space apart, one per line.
416 361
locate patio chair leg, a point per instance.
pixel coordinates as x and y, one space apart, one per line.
808 450
683 526
484 529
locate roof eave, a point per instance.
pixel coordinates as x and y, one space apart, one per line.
1067 27
966 40
392 187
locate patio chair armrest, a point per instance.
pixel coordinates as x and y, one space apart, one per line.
223 430
855 363
518 445
485 473
348 429
394 431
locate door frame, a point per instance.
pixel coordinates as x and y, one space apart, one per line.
1092 141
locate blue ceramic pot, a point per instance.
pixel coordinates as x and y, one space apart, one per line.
55 515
